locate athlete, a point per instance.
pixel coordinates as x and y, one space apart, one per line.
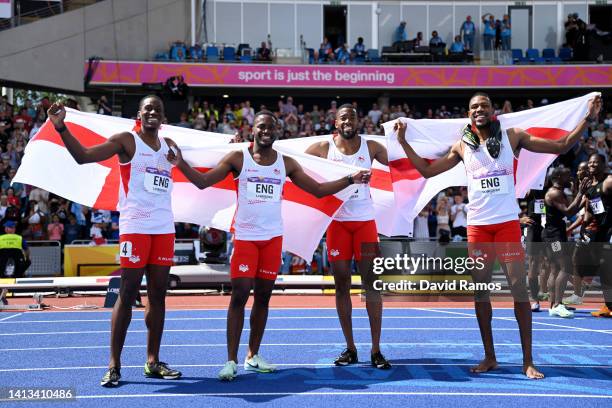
353 234
598 228
488 152
532 233
555 236
260 172
578 280
146 225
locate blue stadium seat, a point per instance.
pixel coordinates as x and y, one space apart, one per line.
229 54
517 56
372 55
532 54
548 53
246 58
212 54
565 54
162 56
540 60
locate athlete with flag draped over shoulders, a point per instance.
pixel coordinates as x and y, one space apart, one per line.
146 225
488 152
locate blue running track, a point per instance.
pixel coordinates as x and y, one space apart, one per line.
431 351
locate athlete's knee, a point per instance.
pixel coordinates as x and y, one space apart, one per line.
239 297
156 297
482 295
262 298
342 285
128 292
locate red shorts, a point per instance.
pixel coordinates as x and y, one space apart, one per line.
256 259
138 250
496 240
346 238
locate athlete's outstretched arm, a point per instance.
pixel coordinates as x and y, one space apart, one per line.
426 169
559 146
203 180
310 185
80 153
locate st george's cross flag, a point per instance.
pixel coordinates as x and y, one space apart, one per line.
433 138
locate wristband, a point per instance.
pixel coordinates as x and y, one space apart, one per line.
61 129
350 179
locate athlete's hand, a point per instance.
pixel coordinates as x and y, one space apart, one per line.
526 221
585 183
237 138
594 107
400 128
174 156
362 177
57 114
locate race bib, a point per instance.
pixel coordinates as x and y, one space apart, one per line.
263 189
494 185
597 206
125 249
539 207
157 181
359 193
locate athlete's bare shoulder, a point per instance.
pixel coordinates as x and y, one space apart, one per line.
319 149
457 150
126 145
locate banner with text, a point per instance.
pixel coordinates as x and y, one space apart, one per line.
353 76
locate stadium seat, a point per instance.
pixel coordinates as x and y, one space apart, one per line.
229 54
372 55
532 54
548 53
246 58
517 56
162 56
212 54
565 54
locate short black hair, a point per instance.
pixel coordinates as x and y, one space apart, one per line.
480 93
264 113
558 172
150 97
346 106
599 156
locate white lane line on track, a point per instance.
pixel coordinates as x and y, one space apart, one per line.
512 319
269 318
589 346
10 317
348 393
223 330
298 365
223 308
